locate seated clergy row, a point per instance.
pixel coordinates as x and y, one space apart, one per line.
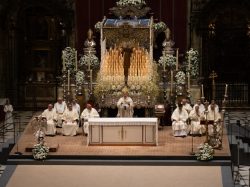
184 113
67 117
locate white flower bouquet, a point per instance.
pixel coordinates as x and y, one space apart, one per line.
167 60
40 151
160 26
69 55
206 152
130 2
180 77
192 62
80 77
89 60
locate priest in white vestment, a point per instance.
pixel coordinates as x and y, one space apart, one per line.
201 106
76 107
215 117
195 117
50 117
125 105
179 121
70 122
186 105
60 106
88 112
216 107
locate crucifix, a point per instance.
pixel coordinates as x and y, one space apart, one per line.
212 76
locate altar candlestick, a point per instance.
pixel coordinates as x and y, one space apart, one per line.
171 83
189 62
177 58
63 59
68 80
202 91
90 74
226 89
188 81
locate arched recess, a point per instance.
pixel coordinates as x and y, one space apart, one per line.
40 31
224 28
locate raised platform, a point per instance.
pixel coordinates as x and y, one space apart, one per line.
75 148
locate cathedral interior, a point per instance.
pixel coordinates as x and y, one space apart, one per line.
93 51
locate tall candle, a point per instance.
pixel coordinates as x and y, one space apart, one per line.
202 91
68 79
226 89
177 58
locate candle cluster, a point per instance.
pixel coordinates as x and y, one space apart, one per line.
112 68
140 66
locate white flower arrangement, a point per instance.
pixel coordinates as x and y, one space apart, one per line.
80 77
98 26
40 151
180 77
206 152
192 62
130 2
167 60
69 55
160 26
89 60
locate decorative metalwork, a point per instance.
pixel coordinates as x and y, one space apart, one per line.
130 9
127 34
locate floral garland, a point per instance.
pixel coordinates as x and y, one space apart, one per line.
40 151
193 56
180 77
89 60
130 2
69 57
80 77
167 60
160 26
206 152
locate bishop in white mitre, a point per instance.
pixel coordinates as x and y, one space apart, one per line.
50 117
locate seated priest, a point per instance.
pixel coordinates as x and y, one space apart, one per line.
60 106
195 117
179 121
186 105
201 106
216 107
50 117
214 117
88 112
70 122
125 105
